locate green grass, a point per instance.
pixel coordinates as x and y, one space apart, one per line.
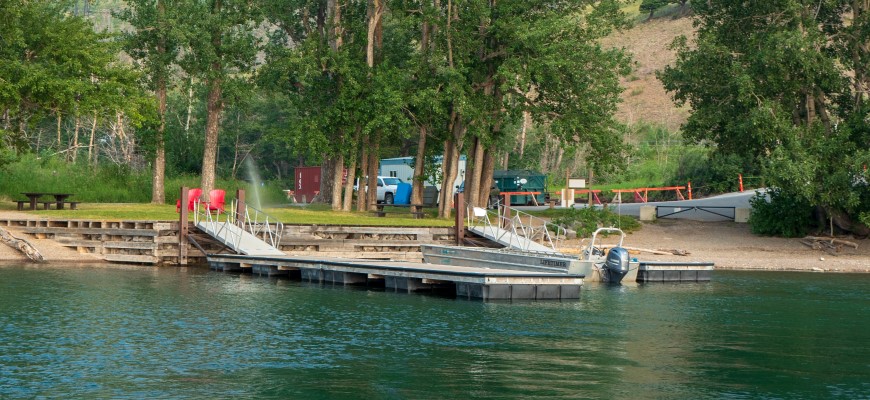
112 193
319 215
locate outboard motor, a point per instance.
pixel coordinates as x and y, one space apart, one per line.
616 265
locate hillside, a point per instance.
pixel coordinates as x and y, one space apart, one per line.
644 98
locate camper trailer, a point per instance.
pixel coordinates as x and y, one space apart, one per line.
403 168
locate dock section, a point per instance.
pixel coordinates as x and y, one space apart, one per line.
403 276
664 271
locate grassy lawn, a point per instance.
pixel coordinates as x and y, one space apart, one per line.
311 215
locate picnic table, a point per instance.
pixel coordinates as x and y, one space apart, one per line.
415 209
59 200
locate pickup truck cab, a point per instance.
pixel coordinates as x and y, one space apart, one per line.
387 186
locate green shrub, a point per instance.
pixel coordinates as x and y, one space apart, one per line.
780 215
586 220
113 184
712 173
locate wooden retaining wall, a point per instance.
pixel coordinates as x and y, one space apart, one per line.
156 242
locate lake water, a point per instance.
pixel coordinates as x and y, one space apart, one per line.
131 332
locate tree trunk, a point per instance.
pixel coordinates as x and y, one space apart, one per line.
472 183
375 10
327 180
486 174
212 127
452 150
351 174
189 108
75 144
527 122
58 128
361 197
449 166
215 109
372 173
337 174
158 192
91 157
419 180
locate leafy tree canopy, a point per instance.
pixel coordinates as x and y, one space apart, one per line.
784 82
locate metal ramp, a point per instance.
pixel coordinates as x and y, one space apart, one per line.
518 230
246 235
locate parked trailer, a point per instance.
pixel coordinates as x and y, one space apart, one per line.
403 168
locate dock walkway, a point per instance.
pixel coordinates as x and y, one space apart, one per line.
237 238
468 282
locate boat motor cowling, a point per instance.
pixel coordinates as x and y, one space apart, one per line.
617 260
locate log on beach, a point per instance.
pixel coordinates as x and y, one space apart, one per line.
833 240
21 245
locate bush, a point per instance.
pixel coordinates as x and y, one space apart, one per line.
586 220
780 214
710 172
112 183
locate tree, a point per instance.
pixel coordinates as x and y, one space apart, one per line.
54 63
784 83
544 59
221 48
652 5
153 44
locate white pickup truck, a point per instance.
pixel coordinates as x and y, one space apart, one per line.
387 186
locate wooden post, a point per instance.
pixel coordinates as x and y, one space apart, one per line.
740 180
506 211
459 224
240 207
589 185
182 228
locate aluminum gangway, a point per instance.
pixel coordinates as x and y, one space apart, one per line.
516 230
252 232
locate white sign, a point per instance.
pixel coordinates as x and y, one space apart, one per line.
576 183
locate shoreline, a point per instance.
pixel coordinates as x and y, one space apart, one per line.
729 245
732 246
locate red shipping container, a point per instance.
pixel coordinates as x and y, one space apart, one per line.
307 182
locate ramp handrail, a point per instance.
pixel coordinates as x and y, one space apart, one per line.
510 228
255 222
261 229
213 223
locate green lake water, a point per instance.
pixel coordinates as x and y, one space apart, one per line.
137 332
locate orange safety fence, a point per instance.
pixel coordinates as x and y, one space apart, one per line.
533 194
593 193
641 195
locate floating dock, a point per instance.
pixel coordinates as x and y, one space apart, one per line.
516 260
404 276
664 271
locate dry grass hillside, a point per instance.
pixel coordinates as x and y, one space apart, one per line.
644 98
